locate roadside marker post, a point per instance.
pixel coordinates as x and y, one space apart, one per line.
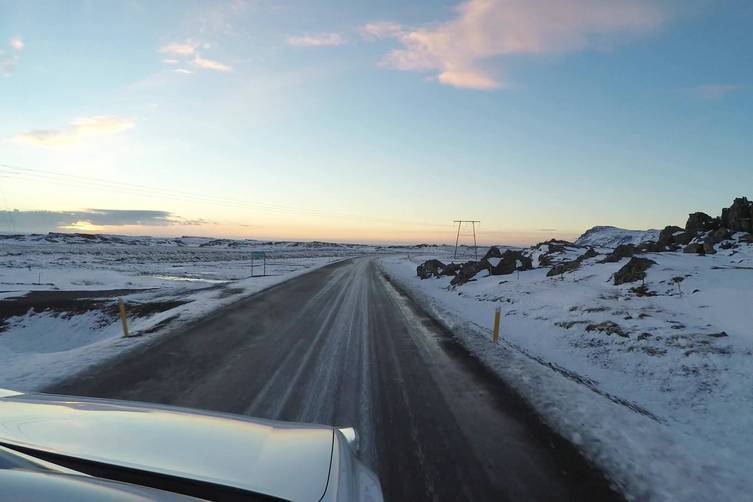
123 318
497 314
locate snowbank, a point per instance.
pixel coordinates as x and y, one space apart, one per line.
654 384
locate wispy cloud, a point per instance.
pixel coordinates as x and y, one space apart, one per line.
44 221
714 91
187 52
209 64
9 59
465 51
179 48
317 40
75 132
382 29
183 71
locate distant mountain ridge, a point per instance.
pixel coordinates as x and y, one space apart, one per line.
611 237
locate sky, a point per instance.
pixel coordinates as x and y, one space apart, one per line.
372 121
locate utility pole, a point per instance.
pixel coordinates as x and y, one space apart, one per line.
457 239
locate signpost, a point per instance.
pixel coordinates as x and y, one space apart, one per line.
256 255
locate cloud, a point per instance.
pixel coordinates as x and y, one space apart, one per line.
208 64
462 52
380 30
319 40
45 221
714 91
179 49
8 61
186 52
183 71
76 131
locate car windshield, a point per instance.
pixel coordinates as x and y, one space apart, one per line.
488 249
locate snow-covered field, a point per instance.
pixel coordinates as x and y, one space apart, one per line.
653 379
59 292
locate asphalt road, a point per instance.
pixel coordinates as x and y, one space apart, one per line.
342 346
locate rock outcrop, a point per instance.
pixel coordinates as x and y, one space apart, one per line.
634 270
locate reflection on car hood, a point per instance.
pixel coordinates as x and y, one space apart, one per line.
281 459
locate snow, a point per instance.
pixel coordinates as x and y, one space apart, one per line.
665 410
165 283
611 237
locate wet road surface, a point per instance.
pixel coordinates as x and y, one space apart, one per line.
342 346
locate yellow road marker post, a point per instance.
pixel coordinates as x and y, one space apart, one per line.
123 318
497 314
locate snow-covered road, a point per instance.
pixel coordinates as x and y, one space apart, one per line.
342 346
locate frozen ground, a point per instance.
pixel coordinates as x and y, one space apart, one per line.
656 389
58 292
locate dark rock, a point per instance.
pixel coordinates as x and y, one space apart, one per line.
634 270
719 235
708 247
561 268
451 269
682 238
468 271
620 252
430 268
694 247
608 327
642 290
666 236
590 253
701 222
727 245
509 262
739 216
493 252
747 238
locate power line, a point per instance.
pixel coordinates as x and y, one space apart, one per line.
41 175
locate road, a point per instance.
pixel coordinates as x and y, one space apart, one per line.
342 346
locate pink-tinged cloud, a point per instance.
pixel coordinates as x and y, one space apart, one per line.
209 64
179 48
17 43
319 40
715 91
75 132
460 52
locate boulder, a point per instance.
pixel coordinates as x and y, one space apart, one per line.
430 268
739 216
590 253
620 252
634 270
561 268
666 236
467 271
508 262
701 222
708 247
694 247
719 235
682 238
451 269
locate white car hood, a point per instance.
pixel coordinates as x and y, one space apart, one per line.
281 459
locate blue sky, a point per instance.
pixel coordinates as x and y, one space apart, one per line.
373 121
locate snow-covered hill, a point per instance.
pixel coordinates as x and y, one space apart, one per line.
611 237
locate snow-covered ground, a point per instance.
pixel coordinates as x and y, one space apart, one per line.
656 389
59 292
